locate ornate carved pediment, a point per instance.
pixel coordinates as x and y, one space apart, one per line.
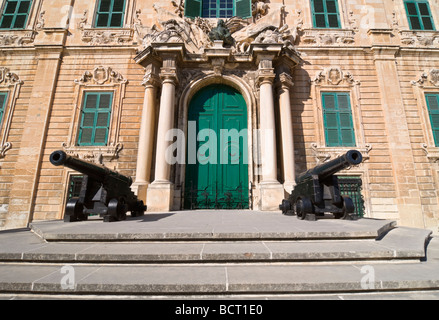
101 75
428 78
194 33
8 78
334 76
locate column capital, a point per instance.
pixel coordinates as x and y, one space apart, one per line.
285 81
264 76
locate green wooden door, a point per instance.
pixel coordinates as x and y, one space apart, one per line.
217 177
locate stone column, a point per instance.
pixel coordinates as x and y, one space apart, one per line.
286 126
160 192
271 191
151 81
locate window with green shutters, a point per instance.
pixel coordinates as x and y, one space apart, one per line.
110 14
15 14
337 117
3 99
325 14
95 119
218 8
433 112
419 15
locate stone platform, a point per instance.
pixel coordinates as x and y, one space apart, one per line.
217 254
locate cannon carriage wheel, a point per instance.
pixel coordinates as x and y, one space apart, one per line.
117 210
74 211
302 207
348 208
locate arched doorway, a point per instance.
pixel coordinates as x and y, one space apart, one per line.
217 160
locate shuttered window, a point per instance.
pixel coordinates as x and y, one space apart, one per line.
110 14
337 117
3 99
15 14
95 119
433 111
218 8
325 14
419 15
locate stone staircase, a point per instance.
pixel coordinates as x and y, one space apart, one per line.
212 254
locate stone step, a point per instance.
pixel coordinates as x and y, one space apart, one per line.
397 244
214 279
211 226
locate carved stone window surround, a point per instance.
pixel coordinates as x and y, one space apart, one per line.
10 83
108 36
334 79
101 78
427 82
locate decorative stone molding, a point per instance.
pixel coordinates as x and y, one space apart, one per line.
107 36
17 37
11 82
98 155
334 76
324 154
429 39
427 78
101 75
316 37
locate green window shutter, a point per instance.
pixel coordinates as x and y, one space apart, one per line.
3 99
192 8
243 8
325 14
95 119
110 14
419 15
338 122
15 14
433 111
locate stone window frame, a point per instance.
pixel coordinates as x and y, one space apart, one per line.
343 81
100 79
110 36
10 83
427 82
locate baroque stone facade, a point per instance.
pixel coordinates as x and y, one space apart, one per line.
157 61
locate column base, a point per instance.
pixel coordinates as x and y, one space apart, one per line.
140 190
160 196
271 195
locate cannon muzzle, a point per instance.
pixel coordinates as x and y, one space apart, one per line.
327 169
58 158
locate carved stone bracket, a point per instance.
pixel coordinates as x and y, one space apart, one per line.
323 154
107 36
317 37
97 155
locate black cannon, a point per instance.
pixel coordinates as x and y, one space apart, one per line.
317 191
103 191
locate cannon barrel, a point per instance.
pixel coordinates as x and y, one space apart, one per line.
99 173
352 157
